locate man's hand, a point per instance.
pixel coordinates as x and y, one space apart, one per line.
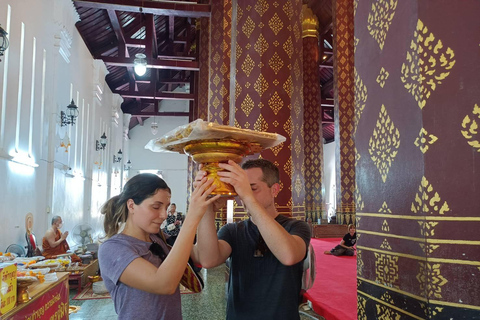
237 177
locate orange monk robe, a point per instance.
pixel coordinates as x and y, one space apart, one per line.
51 253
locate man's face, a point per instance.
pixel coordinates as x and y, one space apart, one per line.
173 208
264 194
59 223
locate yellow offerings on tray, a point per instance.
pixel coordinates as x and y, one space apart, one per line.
8 287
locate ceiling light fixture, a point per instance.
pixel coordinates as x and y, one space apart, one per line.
140 64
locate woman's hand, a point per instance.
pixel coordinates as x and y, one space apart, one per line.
199 200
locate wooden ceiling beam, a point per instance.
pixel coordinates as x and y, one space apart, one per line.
162 8
155 64
149 94
160 114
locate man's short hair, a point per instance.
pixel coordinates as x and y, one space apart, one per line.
270 171
55 219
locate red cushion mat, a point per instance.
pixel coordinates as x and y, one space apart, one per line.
334 293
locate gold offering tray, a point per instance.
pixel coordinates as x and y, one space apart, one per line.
200 130
209 143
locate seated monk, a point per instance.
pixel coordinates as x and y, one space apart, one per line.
54 242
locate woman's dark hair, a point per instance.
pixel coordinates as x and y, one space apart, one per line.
138 188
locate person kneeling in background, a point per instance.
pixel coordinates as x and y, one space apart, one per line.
346 247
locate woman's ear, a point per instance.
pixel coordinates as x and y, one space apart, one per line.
130 204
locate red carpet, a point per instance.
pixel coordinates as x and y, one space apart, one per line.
334 293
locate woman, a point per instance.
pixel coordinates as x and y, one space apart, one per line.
141 278
346 247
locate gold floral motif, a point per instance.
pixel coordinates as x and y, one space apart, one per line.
248 27
261 45
275 103
288 87
297 146
360 99
296 31
247 105
287 167
216 102
422 142
298 186
277 149
288 47
382 77
385 226
248 65
361 306
427 229
355 44
427 64
384 208
435 311
386 245
430 279
260 125
384 144
380 18
360 264
355 6
359 204
287 126
288 9
297 107
428 201
386 313
386 269
471 128
261 6
429 248
357 156
387 298
261 85
216 58
223 91
238 89
216 80
275 23
275 62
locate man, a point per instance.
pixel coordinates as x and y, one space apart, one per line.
54 242
266 251
172 224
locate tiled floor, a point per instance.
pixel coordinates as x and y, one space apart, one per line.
210 304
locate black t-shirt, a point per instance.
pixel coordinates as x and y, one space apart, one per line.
350 240
262 287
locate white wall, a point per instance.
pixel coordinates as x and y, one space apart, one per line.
47 65
173 166
329 175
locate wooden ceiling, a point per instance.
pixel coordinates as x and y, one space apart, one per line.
116 30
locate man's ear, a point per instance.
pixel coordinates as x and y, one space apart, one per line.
275 189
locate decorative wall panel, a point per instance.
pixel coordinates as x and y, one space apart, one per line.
418 248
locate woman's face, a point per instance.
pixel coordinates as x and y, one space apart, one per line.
150 214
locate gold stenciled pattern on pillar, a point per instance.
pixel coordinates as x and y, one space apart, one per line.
384 144
386 269
260 124
384 208
358 199
248 65
427 200
428 248
471 125
360 263
248 27
380 18
429 275
424 139
275 63
261 7
261 85
382 77
427 64
386 245
247 105
361 303
360 99
277 149
275 103
275 23
435 311
386 313
427 229
261 45
385 226
298 186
